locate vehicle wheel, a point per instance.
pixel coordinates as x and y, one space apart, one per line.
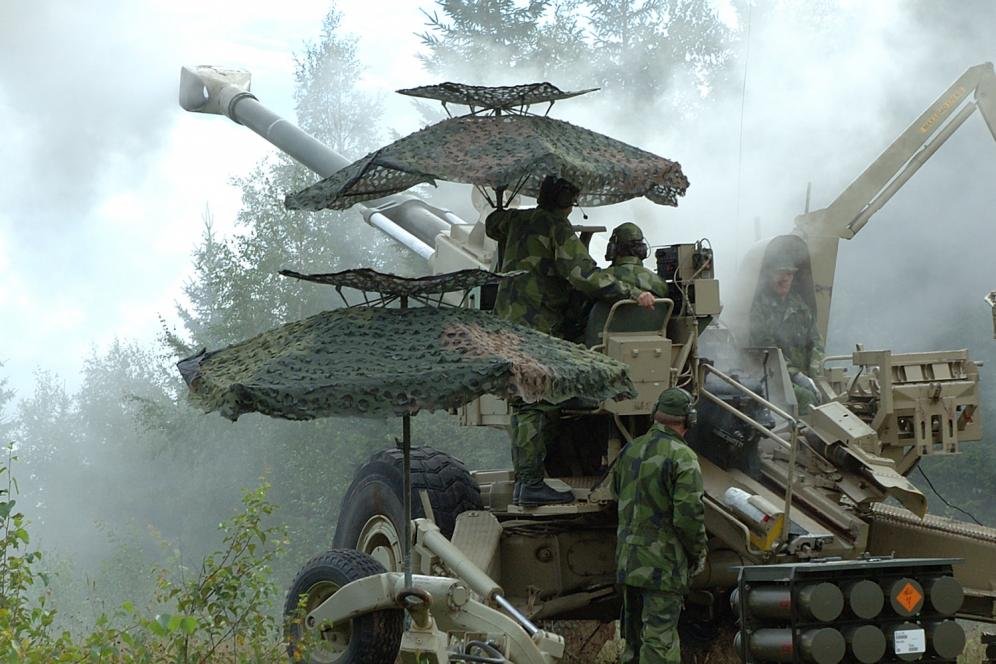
371 518
372 638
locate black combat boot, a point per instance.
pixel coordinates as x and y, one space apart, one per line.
533 493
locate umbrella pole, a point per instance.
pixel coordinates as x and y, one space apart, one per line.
406 452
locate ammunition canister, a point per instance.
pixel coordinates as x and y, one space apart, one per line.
820 601
866 643
865 598
823 645
945 595
906 596
946 638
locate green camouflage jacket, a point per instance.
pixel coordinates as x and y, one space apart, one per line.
630 269
788 324
544 244
661 534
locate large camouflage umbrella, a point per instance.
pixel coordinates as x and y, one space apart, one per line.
502 148
377 362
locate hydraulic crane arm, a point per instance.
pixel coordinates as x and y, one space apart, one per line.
852 209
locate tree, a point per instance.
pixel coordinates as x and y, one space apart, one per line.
641 46
633 49
508 42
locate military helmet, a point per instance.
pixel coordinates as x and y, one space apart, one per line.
676 403
626 240
782 262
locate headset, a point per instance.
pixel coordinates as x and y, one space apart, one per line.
691 415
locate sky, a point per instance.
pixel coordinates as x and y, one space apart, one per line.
104 180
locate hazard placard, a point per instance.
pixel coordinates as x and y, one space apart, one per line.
909 641
909 597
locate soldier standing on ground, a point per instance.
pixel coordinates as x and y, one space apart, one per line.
782 318
661 538
542 242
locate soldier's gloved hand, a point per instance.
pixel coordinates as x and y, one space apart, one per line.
646 300
806 383
698 567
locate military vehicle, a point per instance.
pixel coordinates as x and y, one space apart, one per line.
816 534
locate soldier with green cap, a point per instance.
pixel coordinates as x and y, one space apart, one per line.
542 242
627 249
781 317
661 538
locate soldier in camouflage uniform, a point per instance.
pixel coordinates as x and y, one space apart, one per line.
782 318
661 539
627 250
542 242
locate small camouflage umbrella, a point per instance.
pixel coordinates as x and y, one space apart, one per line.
508 149
376 362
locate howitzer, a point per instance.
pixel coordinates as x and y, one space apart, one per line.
406 219
821 476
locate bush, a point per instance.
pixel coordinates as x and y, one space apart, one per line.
224 613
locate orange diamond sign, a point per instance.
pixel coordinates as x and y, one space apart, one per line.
909 597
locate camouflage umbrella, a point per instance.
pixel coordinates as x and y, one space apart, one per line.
501 151
380 362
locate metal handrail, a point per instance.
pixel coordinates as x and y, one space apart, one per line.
791 444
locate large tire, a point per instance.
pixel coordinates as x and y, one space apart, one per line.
372 638
371 518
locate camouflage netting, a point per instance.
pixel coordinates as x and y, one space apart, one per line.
371 281
377 362
513 151
502 96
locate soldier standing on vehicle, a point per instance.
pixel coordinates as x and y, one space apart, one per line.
542 242
661 538
782 318
627 249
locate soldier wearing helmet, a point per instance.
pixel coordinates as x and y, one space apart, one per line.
542 242
661 538
627 249
782 318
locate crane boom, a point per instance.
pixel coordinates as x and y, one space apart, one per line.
869 192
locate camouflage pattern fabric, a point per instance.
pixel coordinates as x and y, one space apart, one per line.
532 428
368 280
788 324
505 97
513 151
661 534
375 362
630 270
650 626
544 245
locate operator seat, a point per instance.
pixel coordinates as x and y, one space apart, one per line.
628 318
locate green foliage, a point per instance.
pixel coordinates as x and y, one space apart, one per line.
221 614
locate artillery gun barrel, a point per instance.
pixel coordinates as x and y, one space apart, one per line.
407 220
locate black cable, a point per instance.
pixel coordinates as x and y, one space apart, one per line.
943 500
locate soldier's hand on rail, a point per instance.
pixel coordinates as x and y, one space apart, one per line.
646 300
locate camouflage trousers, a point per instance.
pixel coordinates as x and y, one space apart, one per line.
650 626
534 425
